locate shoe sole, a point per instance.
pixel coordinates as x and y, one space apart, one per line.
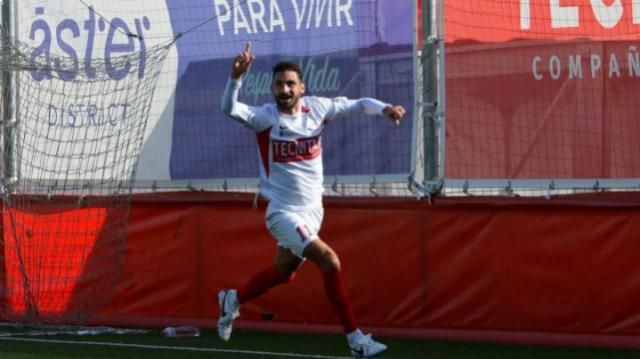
359 356
222 298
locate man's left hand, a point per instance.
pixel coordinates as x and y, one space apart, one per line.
394 113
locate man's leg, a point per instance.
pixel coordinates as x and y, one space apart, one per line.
329 264
281 272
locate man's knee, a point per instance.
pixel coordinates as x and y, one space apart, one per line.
285 274
286 262
332 263
327 260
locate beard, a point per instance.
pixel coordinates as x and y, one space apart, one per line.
286 102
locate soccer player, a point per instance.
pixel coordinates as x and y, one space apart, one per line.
291 179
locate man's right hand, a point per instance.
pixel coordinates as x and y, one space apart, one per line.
242 62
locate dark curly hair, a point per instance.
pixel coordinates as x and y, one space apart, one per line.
287 66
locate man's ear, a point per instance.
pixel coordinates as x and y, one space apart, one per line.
302 88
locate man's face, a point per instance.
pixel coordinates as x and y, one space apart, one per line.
287 88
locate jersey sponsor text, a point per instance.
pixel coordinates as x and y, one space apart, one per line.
296 150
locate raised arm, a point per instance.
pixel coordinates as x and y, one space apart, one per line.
230 104
242 62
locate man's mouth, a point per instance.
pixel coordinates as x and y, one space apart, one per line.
285 101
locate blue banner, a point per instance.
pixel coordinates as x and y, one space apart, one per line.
353 48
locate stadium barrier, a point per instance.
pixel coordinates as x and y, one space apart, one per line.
559 271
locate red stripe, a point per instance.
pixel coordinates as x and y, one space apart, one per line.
302 237
263 147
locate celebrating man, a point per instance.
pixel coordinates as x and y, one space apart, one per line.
291 179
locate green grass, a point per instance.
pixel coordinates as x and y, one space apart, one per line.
306 346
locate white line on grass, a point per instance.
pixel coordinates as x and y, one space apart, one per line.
192 349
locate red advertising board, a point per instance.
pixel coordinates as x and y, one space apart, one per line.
542 89
500 21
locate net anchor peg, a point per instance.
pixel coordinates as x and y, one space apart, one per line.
414 186
10 184
434 187
552 186
51 189
190 187
372 187
432 40
508 190
334 186
429 41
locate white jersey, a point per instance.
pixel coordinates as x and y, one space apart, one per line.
290 146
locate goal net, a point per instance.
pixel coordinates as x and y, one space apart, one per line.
72 134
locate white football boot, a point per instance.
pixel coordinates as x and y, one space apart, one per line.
366 347
229 310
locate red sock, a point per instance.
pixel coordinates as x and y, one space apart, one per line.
339 301
261 282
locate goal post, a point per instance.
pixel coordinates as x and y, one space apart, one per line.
431 107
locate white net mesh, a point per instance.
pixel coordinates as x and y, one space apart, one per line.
71 146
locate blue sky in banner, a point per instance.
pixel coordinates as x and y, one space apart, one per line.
335 41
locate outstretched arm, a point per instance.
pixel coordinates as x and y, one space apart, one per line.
343 107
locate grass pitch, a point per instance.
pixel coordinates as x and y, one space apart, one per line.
259 345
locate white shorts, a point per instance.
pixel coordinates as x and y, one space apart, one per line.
294 230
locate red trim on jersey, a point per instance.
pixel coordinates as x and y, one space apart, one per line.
302 237
263 146
296 150
305 109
